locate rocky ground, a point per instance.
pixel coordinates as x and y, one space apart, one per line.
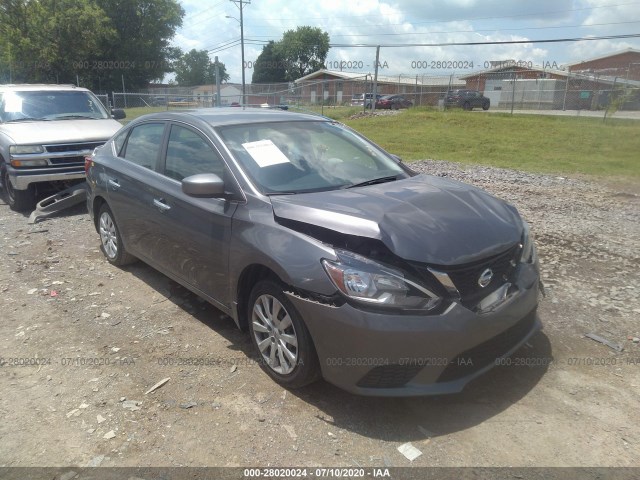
82 342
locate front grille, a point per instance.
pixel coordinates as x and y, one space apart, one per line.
480 356
465 277
389 376
78 160
72 147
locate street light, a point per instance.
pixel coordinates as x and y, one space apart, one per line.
241 47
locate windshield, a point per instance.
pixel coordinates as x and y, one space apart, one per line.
49 105
297 157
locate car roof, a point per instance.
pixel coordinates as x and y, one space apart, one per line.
233 116
39 87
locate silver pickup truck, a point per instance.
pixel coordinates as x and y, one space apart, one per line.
45 133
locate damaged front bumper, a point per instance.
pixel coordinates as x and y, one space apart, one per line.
382 354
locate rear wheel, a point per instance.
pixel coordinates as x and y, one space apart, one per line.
485 106
110 239
280 337
18 200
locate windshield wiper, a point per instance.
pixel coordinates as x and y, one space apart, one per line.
25 119
58 117
373 181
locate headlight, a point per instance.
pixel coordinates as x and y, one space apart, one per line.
25 149
528 247
372 283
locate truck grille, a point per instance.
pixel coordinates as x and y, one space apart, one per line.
72 147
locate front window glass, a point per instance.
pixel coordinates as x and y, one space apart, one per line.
50 105
297 157
189 154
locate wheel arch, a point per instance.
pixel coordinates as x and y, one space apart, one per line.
248 278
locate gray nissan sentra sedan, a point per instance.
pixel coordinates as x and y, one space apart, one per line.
340 260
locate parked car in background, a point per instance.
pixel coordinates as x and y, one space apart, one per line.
467 99
393 102
45 133
338 259
360 99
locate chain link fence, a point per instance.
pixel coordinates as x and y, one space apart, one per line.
526 90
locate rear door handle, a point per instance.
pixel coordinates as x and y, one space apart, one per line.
114 183
160 205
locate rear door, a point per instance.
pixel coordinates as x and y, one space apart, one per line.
131 181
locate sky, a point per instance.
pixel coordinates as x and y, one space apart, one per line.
402 22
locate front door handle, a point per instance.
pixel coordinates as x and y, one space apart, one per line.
114 183
160 205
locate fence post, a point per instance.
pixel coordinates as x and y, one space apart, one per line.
513 91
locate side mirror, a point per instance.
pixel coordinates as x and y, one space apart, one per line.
118 114
205 185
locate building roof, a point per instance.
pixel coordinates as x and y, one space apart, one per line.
614 54
516 68
384 79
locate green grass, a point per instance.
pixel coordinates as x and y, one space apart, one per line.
536 143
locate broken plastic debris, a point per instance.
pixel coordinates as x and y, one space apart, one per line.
409 451
100 419
132 405
32 291
109 435
290 430
158 385
615 346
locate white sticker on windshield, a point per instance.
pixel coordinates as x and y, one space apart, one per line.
265 153
12 103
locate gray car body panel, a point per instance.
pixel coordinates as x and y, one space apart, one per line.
420 219
423 218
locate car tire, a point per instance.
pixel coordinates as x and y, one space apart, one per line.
18 200
280 337
395 106
466 106
485 106
110 239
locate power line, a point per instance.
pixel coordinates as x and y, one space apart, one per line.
497 42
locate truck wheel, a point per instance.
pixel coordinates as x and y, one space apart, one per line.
18 200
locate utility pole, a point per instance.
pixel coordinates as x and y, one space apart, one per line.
240 4
375 82
217 82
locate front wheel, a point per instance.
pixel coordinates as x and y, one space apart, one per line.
280 337
485 106
18 200
110 239
466 106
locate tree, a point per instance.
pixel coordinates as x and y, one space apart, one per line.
303 51
141 51
101 42
269 67
37 38
196 68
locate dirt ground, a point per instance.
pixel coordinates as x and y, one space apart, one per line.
82 341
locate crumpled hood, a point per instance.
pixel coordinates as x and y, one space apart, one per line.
424 218
60 131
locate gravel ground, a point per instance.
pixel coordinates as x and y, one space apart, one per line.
95 338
